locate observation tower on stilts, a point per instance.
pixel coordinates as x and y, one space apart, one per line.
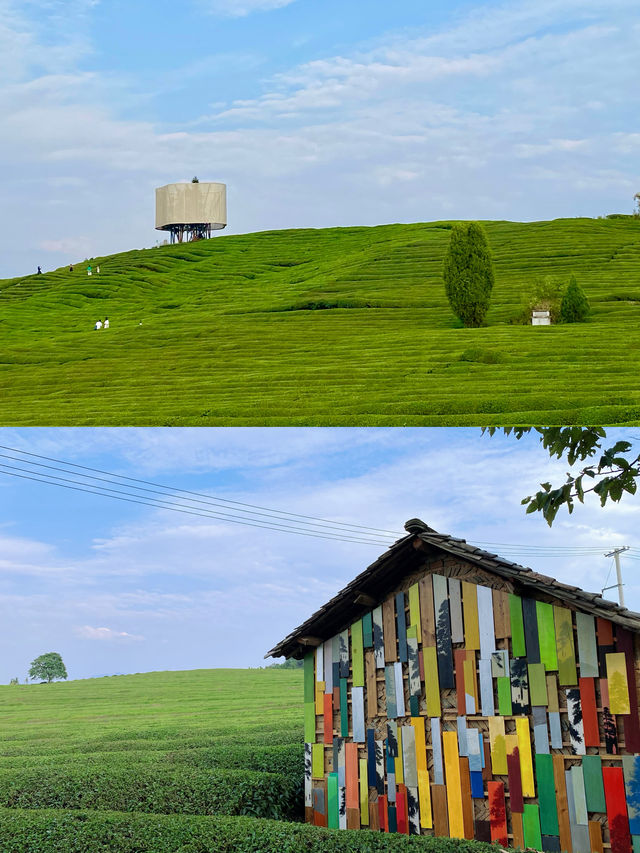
191 211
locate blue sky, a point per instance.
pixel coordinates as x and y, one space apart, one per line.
314 114
116 587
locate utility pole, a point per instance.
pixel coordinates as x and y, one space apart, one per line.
616 556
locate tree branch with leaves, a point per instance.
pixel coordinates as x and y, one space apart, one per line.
612 474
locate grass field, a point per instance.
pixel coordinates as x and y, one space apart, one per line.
208 760
234 333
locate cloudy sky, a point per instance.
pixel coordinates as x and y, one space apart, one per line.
314 114
122 587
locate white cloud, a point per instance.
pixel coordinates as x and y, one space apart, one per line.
203 593
241 8
469 121
108 634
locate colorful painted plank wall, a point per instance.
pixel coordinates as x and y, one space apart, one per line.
462 709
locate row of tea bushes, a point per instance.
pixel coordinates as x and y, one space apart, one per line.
50 831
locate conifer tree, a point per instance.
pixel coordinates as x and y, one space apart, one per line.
575 305
468 273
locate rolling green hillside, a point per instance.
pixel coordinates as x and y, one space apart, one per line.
207 760
341 326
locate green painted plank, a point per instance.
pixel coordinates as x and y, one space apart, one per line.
367 630
357 654
537 686
546 638
567 673
344 710
504 695
332 797
309 678
309 722
517 626
317 761
547 795
531 827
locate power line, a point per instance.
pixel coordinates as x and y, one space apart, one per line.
237 512
192 512
199 495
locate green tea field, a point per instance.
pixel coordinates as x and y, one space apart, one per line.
207 760
340 326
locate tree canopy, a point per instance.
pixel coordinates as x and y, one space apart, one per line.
612 473
468 273
575 305
47 667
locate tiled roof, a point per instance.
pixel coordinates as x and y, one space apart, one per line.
372 585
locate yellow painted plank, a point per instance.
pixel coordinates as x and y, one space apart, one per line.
470 608
317 761
364 793
320 687
498 746
523 732
618 684
470 679
414 610
424 799
454 787
421 742
511 743
432 683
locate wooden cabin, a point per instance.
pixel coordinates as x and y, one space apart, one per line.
449 691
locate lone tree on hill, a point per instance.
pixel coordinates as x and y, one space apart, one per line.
468 273
47 667
575 305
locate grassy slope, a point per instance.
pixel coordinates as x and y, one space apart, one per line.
152 763
217 347
135 717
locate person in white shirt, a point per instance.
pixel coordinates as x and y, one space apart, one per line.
106 323
98 325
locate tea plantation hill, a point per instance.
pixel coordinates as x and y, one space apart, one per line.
207 760
339 326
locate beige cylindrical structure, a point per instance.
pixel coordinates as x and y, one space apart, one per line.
192 210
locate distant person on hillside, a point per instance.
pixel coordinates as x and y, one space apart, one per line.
98 325
70 267
39 271
106 323
89 270
98 270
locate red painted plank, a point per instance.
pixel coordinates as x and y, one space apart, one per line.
497 812
351 775
459 657
402 812
328 718
631 722
614 795
382 812
605 632
515 782
486 770
589 713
